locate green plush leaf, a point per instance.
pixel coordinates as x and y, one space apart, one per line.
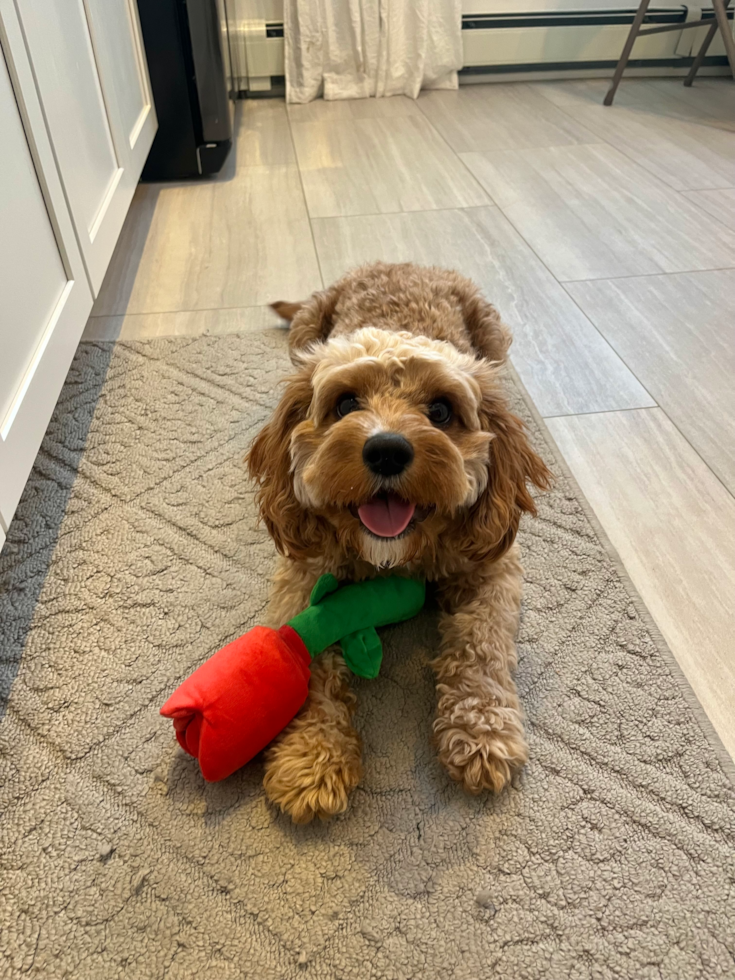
363 652
325 585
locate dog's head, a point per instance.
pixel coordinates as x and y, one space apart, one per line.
398 448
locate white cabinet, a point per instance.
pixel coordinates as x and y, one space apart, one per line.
93 85
76 124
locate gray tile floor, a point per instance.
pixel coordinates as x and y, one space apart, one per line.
606 237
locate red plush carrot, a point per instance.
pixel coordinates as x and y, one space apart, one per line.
244 695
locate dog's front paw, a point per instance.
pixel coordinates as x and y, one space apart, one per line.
480 743
311 774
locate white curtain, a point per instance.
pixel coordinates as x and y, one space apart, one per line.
353 49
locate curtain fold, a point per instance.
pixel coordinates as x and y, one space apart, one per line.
355 49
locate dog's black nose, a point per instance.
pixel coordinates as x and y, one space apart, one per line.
387 454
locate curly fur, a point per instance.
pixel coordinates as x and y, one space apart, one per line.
398 337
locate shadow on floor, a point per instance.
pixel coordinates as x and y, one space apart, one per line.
34 531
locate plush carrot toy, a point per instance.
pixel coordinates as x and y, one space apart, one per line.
247 692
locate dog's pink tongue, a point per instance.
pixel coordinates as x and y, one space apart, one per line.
386 516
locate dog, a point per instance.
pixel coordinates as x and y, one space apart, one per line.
393 450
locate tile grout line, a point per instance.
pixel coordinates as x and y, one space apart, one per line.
567 293
623 361
379 214
303 194
648 408
608 142
717 217
650 275
705 190
605 411
731 493
456 155
205 309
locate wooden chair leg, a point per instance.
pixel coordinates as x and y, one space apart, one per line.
634 28
726 31
701 53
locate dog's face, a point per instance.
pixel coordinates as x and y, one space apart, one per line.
394 446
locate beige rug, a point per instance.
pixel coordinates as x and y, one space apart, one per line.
134 556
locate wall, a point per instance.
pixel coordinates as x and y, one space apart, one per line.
272 10
506 42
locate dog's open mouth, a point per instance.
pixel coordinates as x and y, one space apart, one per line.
387 515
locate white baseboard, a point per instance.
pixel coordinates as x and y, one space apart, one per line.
560 75
565 40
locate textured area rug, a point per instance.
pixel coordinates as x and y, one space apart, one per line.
134 556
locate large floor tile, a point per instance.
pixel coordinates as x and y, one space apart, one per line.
673 525
677 334
710 97
500 117
239 242
720 204
194 323
591 91
380 165
562 359
262 134
591 213
675 140
321 111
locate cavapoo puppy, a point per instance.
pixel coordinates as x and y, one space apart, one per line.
393 448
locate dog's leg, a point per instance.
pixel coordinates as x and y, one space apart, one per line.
313 766
479 727
290 590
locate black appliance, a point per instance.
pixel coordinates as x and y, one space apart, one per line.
187 48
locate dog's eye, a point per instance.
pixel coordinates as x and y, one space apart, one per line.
346 404
440 411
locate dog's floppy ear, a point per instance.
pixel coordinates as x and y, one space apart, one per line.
489 335
491 525
311 321
286 311
296 532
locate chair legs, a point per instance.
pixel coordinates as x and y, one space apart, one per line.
719 7
720 23
622 64
701 53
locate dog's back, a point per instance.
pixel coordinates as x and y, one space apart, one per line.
424 301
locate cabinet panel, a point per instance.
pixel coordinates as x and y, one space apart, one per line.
31 270
64 64
45 297
92 82
117 40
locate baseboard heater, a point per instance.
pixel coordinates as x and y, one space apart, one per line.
562 44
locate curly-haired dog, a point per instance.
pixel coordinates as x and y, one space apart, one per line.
393 448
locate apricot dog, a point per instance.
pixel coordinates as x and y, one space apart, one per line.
393 448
